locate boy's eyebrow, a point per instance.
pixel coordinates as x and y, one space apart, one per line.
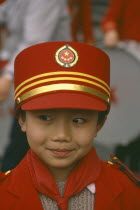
44 112
83 111
71 111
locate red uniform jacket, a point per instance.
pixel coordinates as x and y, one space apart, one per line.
114 191
124 16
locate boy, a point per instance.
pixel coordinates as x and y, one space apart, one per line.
62 96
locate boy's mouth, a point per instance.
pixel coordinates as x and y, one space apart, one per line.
61 152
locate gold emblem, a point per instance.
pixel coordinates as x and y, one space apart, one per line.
66 56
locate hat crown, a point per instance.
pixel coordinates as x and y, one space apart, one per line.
55 63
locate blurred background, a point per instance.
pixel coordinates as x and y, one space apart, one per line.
113 26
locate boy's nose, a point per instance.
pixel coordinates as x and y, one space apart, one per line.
62 132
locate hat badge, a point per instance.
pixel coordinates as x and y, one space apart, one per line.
66 56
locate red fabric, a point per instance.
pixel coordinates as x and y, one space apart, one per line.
3 64
87 22
2 176
82 20
114 191
45 183
123 15
1 1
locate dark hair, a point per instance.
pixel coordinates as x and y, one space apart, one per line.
21 113
101 116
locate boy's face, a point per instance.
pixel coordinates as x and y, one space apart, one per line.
60 137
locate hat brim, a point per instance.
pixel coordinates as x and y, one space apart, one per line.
64 101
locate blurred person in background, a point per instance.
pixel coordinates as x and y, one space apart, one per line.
120 25
27 23
81 21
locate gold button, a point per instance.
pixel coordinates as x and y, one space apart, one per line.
7 172
110 162
115 158
18 100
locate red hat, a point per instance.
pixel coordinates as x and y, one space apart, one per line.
62 75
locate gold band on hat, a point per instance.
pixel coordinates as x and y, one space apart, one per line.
62 86
61 79
62 73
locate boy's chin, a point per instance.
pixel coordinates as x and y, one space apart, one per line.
62 165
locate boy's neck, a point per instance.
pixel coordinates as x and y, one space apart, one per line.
60 174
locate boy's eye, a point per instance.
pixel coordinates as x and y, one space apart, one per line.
45 117
79 120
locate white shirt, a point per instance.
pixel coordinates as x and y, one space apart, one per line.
33 21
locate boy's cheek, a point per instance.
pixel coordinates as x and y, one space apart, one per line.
34 145
35 137
86 137
85 142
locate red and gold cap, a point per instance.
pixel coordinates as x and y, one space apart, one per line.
62 75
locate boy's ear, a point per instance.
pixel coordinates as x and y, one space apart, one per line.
22 123
100 125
